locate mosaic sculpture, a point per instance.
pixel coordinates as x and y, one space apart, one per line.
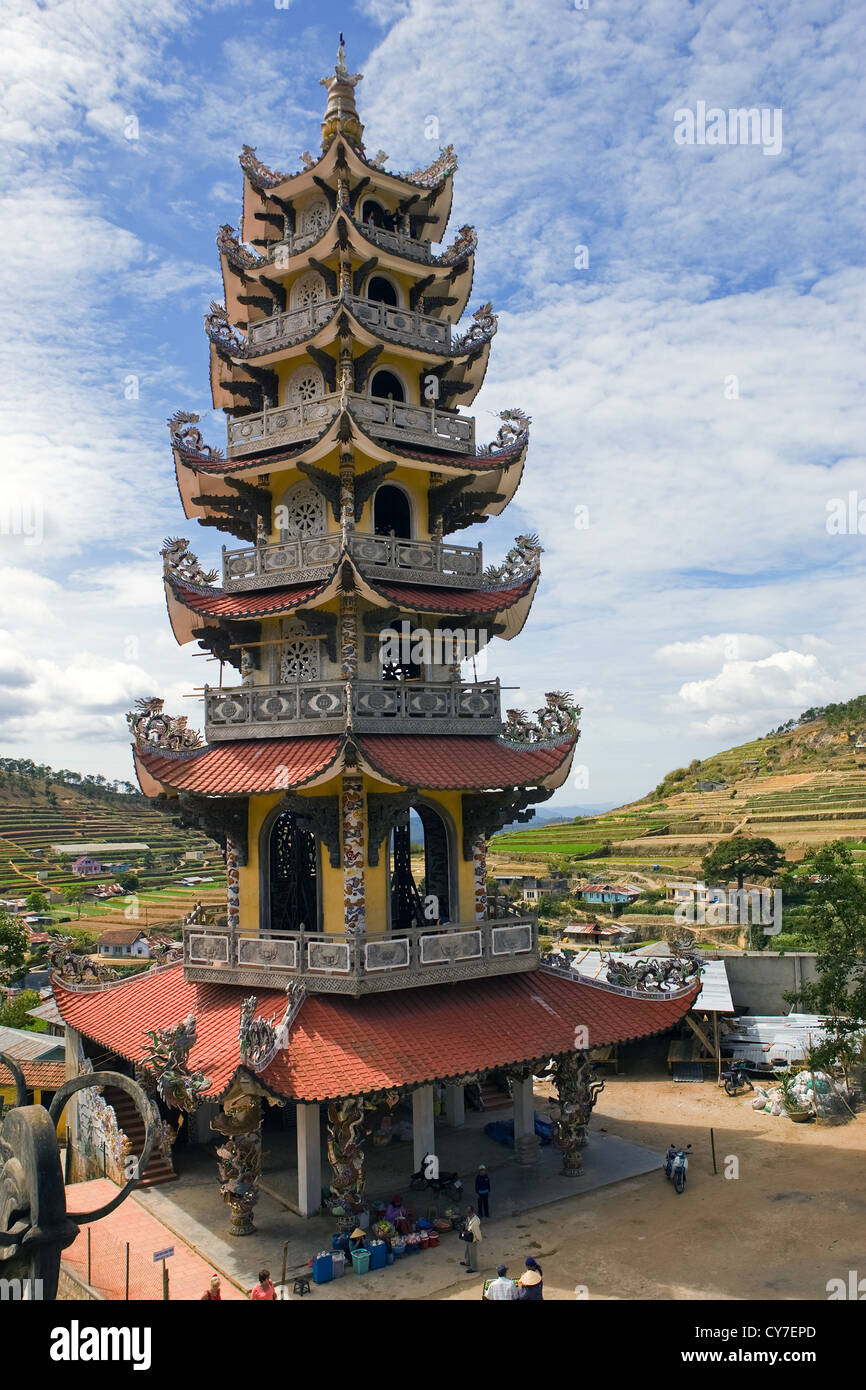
179 561
75 968
188 439
578 1091
346 1155
239 1159
166 1057
152 729
556 719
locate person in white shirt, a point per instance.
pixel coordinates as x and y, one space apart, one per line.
501 1288
473 1226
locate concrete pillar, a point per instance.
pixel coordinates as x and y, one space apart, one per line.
423 1131
455 1106
309 1158
526 1145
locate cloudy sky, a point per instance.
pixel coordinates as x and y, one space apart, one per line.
683 322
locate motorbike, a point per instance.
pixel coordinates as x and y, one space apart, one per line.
735 1078
676 1166
443 1184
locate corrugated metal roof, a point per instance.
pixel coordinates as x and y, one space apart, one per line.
21 1044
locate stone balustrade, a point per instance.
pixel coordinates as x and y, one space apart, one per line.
387 321
309 558
388 419
328 963
377 707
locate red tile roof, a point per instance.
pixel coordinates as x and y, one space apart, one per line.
453 600
462 760
343 1046
218 604
38 1076
245 766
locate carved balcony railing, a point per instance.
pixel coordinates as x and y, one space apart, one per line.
377 707
385 557
400 243
326 963
404 325
390 419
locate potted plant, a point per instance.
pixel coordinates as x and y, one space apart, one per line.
791 1104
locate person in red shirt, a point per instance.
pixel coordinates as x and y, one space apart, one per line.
212 1294
264 1288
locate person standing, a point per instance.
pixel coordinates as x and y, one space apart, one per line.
473 1240
501 1288
530 1288
212 1294
264 1289
482 1191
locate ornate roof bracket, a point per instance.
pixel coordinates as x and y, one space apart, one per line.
276 289
329 192
486 812
361 367
326 364
220 817
468 510
328 275
322 625
367 482
362 272
287 208
441 497
328 484
417 291
342 234
321 816
384 811
227 640
356 192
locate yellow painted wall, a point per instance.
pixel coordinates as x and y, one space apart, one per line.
375 877
9 1098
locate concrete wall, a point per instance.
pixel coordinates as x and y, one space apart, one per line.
760 979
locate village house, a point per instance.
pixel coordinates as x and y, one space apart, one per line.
86 866
608 893
124 941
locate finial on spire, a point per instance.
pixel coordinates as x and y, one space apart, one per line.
341 115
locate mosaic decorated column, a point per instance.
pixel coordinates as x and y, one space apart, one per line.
352 815
479 867
346 1156
239 1159
347 494
232 884
348 636
578 1092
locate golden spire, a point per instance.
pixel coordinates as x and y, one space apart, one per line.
341 116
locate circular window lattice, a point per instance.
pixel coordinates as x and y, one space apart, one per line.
317 216
307 291
304 514
306 385
299 661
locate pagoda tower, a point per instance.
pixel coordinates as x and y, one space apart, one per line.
353 964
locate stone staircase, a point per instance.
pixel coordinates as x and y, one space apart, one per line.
158 1169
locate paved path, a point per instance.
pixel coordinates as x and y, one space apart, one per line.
189 1274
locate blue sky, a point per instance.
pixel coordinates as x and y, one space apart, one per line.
697 386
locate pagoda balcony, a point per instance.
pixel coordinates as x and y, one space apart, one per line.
385 557
388 419
405 326
400 243
327 963
376 707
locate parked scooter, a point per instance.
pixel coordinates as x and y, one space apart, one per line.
429 1177
676 1166
735 1078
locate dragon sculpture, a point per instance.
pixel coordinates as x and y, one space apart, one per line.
152 729
346 1154
187 439
513 430
75 968
435 173
655 973
179 561
166 1058
556 719
461 247
235 252
257 1037
578 1091
220 331
260 176
520 560
239 1159
484 325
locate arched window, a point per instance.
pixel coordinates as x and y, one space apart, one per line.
292 876
408 895
301 513
306 384
375 215
392 515
381 291
306 291
386 385
315 217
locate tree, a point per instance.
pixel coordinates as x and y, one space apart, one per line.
14 945
36 901
741 857
74 895
13 1014
835 925
128 882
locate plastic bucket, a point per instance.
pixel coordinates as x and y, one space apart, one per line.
361 1261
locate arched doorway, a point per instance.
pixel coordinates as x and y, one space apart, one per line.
410 892
386 385
375 215
381 291
392 514
292 859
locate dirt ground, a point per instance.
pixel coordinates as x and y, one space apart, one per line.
792 1218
